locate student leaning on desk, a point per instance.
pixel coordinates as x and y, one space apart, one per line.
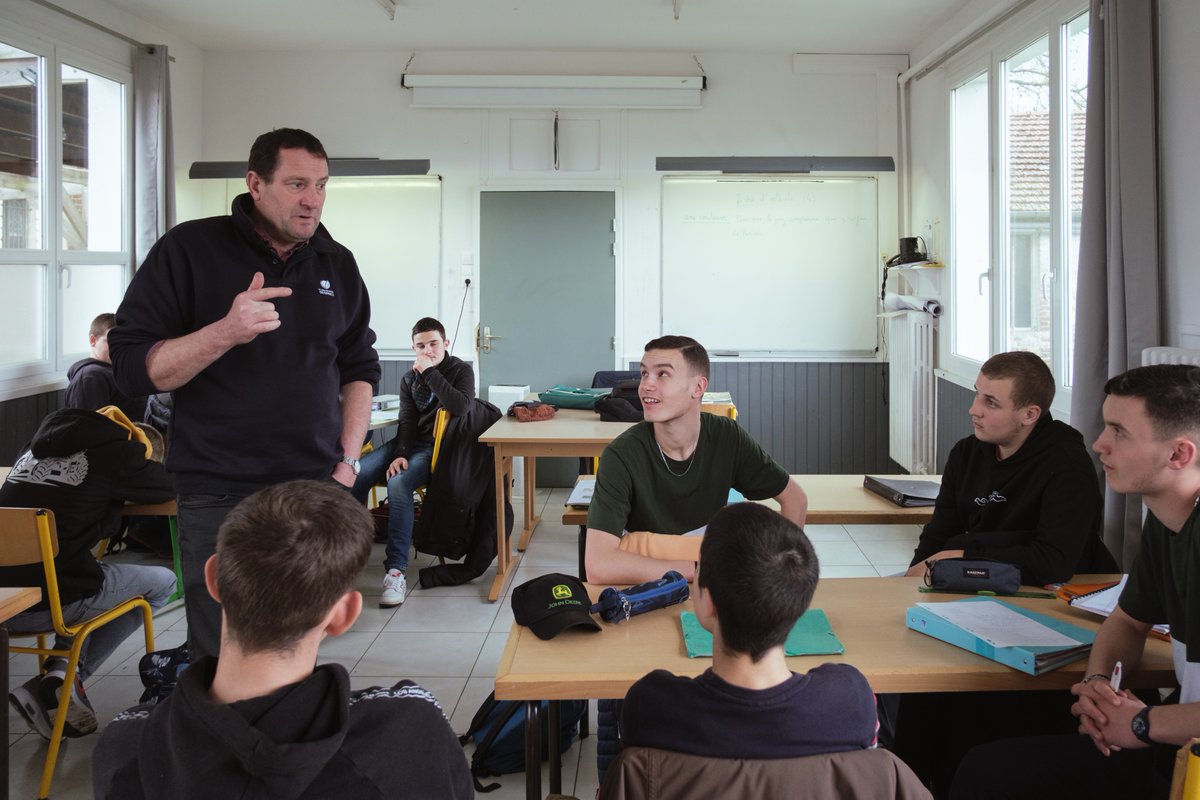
671 473
1150 445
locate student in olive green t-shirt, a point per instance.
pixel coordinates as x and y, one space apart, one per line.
671 473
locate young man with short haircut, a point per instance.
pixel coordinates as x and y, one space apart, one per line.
437 380
1022 489
757 576
90 382
83 465
1150 446
263 720
671 473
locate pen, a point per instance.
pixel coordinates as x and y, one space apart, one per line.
1115 680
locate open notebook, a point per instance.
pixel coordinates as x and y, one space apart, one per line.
1103 601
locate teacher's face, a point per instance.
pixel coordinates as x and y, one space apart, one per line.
289 205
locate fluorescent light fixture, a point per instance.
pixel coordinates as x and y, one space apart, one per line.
741 165
554 91
338 167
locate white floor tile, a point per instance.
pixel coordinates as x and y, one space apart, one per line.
346 649
841 571
473 695
839 554
72 775
869 533
888 552
564 555
826 533
417 654
444 614
489 656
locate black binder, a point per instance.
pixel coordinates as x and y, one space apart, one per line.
904 491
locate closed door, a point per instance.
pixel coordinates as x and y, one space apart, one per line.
547 294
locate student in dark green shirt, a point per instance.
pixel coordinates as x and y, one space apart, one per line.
671 473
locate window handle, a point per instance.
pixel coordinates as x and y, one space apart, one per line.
985 275
1047 285
64 277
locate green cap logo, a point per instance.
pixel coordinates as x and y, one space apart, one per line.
561 591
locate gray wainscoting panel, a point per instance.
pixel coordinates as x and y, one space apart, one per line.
19 418
813 417
953 421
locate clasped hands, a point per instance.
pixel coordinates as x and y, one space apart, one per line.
1106 715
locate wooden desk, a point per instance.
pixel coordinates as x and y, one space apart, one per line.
572 432
867 614
12 602
168 509
832 500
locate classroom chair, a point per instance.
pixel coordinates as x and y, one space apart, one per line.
645 773
1185 782
440 420
28 536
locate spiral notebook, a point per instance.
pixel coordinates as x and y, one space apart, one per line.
1102 601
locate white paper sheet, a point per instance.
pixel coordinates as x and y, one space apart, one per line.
999 625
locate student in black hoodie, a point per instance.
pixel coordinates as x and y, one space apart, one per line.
262 720
1023 489
436 380
83 465
90 382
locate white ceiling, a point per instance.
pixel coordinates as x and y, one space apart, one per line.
809 26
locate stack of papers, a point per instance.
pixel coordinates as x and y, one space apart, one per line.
1103 601
711 398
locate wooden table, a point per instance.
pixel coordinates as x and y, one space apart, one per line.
12 602
168 509
572 432
867 615
832 500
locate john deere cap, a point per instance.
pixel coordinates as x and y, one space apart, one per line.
552 603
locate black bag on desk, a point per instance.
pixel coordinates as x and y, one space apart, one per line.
498 729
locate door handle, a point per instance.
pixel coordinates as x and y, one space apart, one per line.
487 338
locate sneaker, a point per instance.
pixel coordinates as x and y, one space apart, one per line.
394 589
81 717
26 700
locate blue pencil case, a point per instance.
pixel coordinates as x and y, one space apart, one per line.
616 605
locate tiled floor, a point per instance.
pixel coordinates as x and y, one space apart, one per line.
447 639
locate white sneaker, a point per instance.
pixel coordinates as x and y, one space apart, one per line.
394 589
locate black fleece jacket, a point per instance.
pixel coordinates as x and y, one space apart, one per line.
82 466
269 410
312 739
453 385
91 385
1040 508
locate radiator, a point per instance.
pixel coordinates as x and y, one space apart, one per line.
910 388
1170 355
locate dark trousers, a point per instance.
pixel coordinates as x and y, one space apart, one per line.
1062 767
200 516
935 730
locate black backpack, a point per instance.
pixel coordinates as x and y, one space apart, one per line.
498 730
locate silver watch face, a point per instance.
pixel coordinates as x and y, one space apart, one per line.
353 462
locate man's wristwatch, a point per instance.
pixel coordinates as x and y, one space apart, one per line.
353 462
1141 725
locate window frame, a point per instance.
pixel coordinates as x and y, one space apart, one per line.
989 54
57 45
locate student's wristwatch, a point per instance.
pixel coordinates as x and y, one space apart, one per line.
353 462
1140 724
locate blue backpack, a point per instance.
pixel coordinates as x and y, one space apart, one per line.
498 730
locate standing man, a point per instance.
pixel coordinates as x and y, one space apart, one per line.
437 380
259 323
1023 488
671 473
1150 446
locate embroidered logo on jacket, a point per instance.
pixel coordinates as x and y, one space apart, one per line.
994 497
67 471
325 290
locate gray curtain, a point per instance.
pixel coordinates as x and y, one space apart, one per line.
1118 301
153 149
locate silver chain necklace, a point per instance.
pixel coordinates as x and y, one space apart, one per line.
691 460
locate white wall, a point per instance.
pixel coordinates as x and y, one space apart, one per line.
755 105
1179 168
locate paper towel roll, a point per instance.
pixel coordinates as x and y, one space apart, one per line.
908 302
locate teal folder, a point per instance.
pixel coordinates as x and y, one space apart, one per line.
810 636
1033 660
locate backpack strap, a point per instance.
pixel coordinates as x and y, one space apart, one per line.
483 747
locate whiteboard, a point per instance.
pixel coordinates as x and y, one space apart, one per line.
781 265
393 225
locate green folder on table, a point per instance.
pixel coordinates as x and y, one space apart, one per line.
810 636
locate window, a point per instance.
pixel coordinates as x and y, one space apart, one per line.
1016 164
64 200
